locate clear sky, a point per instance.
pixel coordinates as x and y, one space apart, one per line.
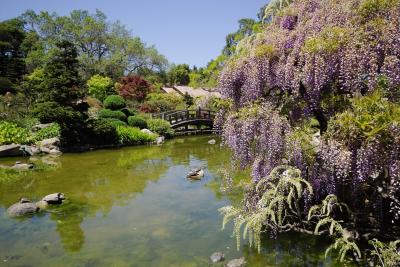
185 31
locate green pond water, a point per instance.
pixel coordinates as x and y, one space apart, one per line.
134 207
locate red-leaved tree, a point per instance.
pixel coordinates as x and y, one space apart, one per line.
134 87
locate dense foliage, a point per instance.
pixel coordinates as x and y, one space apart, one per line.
104 48
10 133
114 102
160 126
315 97
55 68
134 87
101 132
133 136
112 114
100 87
138 122
51 131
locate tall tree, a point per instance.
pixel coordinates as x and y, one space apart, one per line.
179 74
12 65
61 77
103 47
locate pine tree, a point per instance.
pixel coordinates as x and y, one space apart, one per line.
61 76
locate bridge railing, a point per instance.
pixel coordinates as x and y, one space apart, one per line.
177 116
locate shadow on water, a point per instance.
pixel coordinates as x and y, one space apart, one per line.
134 207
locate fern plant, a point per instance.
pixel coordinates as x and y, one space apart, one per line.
278 208
343 245
386 253
344 239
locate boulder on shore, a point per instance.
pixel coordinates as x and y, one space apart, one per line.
160 140
31 150
23 207
146 131
50 142
10 150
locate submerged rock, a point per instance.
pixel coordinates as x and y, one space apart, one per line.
217 257
237 262
212 142
23 207
11 150
55 198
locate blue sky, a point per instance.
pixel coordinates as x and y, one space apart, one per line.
185 31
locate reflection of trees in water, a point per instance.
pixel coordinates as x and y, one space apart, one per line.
290 249
68 220
96 181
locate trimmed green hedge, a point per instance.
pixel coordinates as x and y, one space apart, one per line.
161 127
101 132
112 114
133 136
136 121
114 102
115 122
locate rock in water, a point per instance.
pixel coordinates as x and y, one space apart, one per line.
212 142
10 150
196 173
55 198
42 204
22 166
23 207
31 150
160 140
236 262
217 257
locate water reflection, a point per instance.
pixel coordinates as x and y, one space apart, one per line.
134 207
96 182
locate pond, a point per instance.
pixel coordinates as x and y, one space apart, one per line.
134 207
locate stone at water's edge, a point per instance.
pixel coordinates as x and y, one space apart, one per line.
237 263
50 143
31 150
22 166
24 207
160 140
10 150
146 131
217 257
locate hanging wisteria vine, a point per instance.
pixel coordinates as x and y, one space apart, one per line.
319 91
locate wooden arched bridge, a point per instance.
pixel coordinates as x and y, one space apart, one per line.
189 121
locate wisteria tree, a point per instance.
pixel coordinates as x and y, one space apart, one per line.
318 91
